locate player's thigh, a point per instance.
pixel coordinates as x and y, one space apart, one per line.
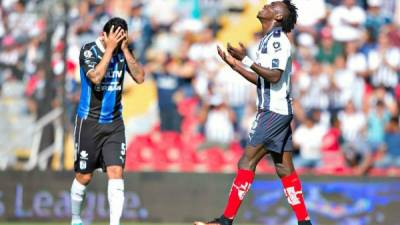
114 148
87 150
254 153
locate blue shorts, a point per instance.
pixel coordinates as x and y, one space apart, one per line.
272 130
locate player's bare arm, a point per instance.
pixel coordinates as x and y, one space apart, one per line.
111 41
236 65
272 76
136 71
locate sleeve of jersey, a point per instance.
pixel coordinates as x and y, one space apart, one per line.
276 56
87 60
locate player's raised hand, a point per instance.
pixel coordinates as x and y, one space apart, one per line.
232 62
237 53
114 37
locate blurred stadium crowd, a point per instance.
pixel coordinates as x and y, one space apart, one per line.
345 83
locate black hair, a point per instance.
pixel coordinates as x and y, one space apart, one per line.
290 19
116 22
334 119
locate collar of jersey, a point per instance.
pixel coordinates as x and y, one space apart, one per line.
100 45
274 29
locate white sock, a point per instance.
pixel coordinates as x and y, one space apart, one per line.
77 196
116 200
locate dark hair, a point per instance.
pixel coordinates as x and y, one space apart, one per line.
290 19
116 22
334 119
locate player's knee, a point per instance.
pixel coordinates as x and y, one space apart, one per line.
282 170
114 172
247 163
83 178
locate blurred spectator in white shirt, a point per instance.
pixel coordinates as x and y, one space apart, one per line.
344 80
347 20
353 123
311 13
308 137
312 85
218 121
235 89
384 63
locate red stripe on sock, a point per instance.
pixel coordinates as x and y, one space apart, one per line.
294 195
241 185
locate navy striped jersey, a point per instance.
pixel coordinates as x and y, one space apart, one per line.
274 52
100 102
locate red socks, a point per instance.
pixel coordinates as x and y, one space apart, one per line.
294 195
241 185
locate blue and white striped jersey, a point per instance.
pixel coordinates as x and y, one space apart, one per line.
274 52
101 102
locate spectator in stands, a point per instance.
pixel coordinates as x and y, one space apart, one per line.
168 85
376 18
347 20
313 85
384 63
311 15
344 80
235 90
387 97
353 124
141 31
358 153
392 152
329 49
377 119
308 138
333 139
217 119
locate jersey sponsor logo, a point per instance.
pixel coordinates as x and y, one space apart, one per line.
113 74
108 87
242 189
291 195
275 63
87 54
84 155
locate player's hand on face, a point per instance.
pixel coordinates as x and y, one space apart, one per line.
114 37
232 62
237 53
124 45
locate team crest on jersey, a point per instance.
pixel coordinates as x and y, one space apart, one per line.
84 155
82 164
277 46
121 57
87 53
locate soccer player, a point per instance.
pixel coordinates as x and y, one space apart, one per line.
99 129
271 132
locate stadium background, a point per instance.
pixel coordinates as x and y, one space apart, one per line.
187 124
